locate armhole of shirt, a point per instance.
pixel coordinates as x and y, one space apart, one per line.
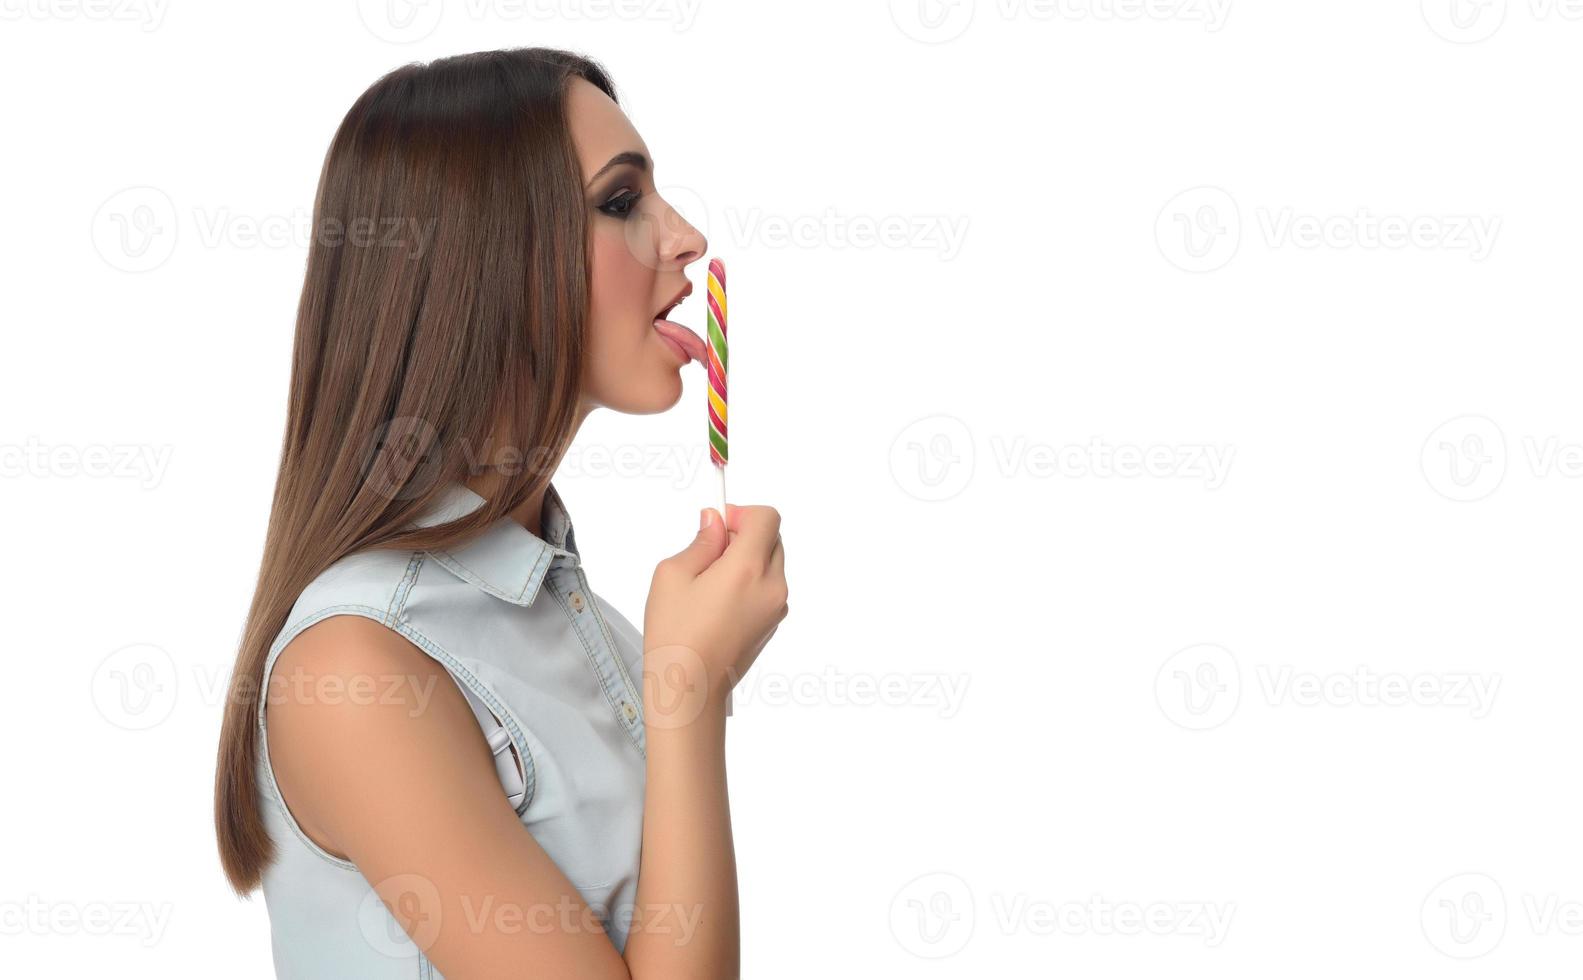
501 730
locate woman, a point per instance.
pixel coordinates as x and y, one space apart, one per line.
442 752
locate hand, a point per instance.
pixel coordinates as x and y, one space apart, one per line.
711 609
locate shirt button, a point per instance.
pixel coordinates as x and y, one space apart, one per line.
577 601
629 711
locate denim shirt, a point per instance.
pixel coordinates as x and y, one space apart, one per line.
551 672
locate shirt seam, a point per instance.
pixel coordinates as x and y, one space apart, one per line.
477 579
599 675
435 652
610 640
398 601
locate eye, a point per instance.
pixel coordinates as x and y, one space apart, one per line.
621 205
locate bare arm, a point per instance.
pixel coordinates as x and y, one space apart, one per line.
406 789
687 886
707 621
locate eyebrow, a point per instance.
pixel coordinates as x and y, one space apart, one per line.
628 156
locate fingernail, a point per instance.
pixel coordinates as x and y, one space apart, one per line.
706 517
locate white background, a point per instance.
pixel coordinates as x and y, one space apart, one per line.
1310 710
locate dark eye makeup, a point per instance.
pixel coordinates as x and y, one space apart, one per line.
621 205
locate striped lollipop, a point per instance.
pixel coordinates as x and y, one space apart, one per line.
718 453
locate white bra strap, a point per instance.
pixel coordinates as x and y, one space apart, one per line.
507 766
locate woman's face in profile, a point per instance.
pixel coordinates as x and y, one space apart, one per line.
639 249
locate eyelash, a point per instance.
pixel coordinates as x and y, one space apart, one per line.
621 205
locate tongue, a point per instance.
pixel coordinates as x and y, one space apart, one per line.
689 341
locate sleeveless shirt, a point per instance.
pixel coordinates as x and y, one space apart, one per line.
550 671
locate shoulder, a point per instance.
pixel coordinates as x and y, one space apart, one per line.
350 645
352 676
372 581
358 714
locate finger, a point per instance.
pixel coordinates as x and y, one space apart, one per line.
709 544
757 529
777 560
737 516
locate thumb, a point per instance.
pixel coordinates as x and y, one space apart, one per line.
707 546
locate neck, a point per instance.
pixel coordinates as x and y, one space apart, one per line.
530 515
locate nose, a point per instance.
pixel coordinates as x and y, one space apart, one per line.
680 243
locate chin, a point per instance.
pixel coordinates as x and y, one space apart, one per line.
670 391
655 393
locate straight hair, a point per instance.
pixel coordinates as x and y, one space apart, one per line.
444 307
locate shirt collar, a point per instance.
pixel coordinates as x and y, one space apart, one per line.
506 559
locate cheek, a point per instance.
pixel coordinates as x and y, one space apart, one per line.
621 283
620 312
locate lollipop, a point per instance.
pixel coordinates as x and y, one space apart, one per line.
718 453
717 374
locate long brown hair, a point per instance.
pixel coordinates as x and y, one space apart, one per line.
444 306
